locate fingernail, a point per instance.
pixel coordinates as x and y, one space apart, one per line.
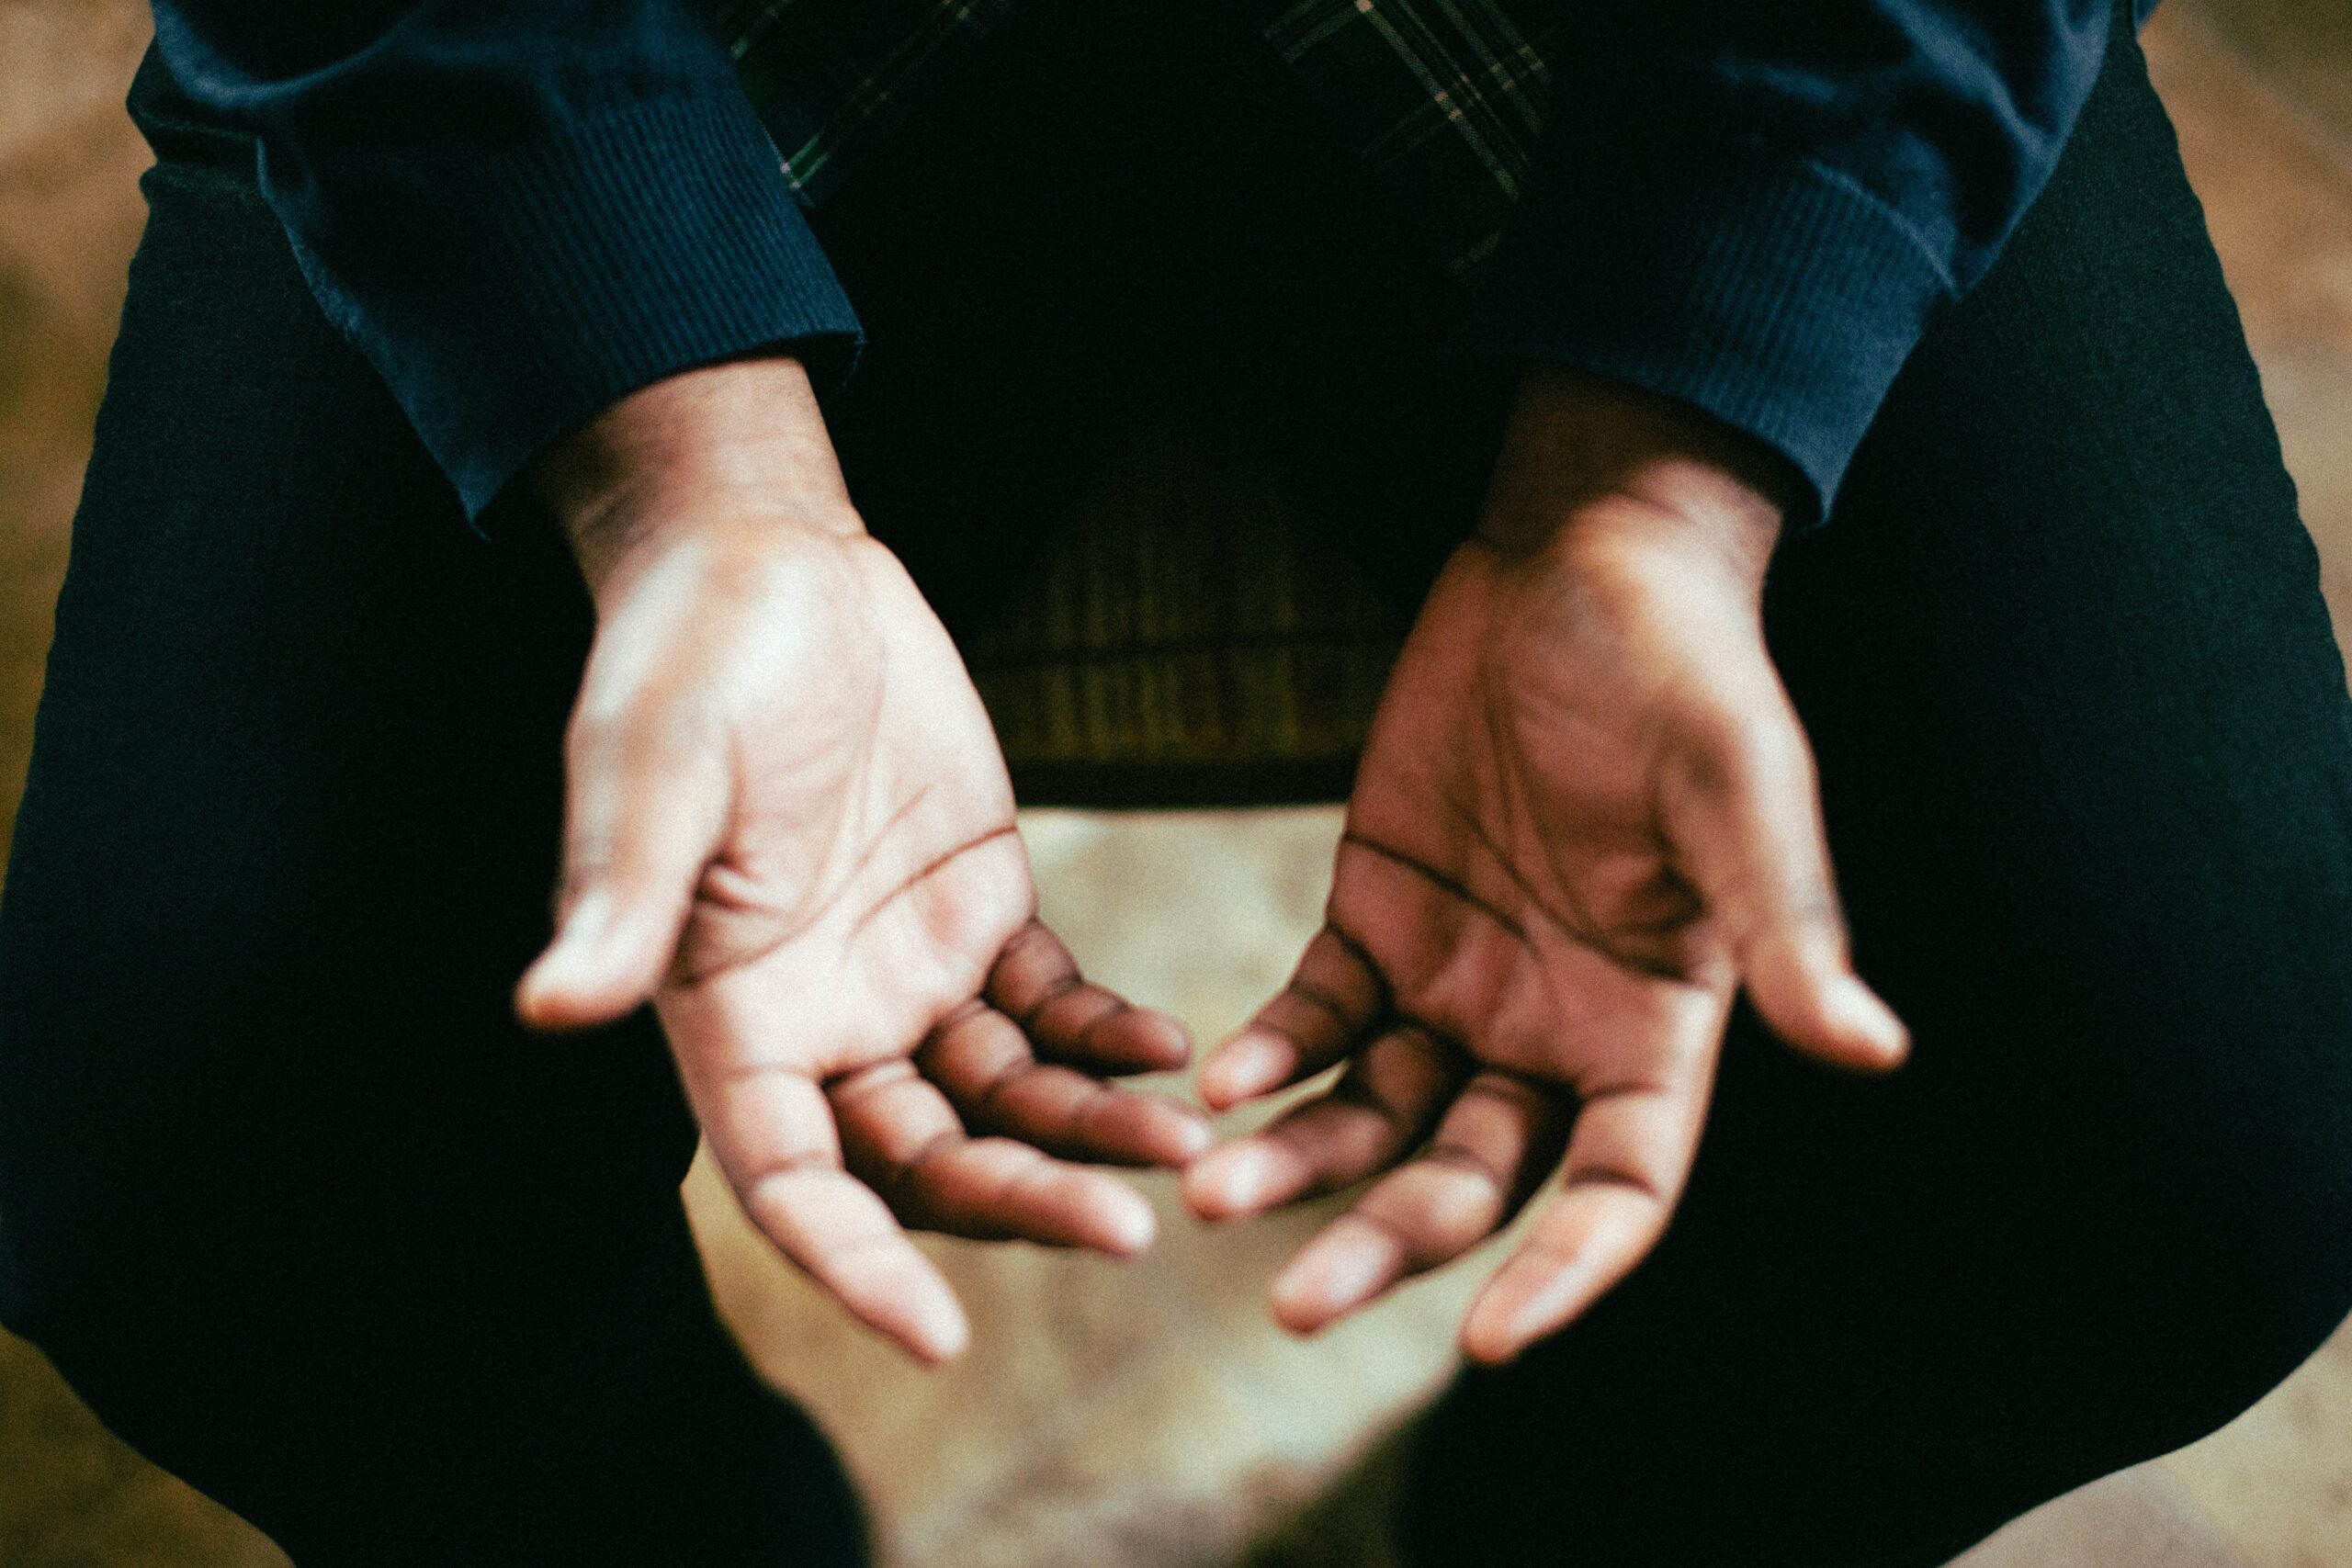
1131 1226
1189 1139
1856 1011
1239 1178
1313 1290
935 1325
1246 1066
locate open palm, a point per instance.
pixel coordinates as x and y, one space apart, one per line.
790 825
1584 819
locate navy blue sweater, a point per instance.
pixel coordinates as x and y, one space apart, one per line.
521 210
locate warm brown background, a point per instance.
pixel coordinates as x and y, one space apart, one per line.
1149 1416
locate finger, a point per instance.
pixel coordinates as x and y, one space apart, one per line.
1331 1000
1743 814
773 1135
1036 983
1497 1142
643 812
1628 1155
981 1060
1382 1106
899 1135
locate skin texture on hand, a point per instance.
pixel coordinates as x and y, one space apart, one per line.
788 825
1585 819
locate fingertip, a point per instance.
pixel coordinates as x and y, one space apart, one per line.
1332 1278
1507 1318
1485 1336
531 1000
1293 1314
1129 1224
603 962
1871 1024
1188 1138
1138 1040
1198 1195
1295 1304
942 1345
1879 1056
1485 1339
1809 996
931 1325
1534 1295
556 995
1250 1064
1229 1183
1853 1028
1164 1039
839 1231
1147 1132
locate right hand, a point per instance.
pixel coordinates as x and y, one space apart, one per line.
1585 820
789 826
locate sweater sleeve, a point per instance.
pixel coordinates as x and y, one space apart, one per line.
1754 206
519 211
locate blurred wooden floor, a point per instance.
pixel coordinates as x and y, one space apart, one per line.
1149 1416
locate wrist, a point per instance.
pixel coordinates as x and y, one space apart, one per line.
726 456
1588 462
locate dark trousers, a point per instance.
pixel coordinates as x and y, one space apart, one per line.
295 1206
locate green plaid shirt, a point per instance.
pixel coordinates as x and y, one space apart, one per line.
1444 98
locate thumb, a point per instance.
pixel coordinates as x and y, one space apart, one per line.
642 818
1742 811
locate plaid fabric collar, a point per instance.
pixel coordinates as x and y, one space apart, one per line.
1444 97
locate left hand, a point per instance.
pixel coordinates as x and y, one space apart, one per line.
1585 819
788 825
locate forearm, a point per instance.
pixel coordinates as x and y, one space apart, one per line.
519 213
1755 208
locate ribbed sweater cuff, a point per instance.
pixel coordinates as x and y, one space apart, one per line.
1766 290
529 291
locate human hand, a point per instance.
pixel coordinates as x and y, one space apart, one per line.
1585 819
789 826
